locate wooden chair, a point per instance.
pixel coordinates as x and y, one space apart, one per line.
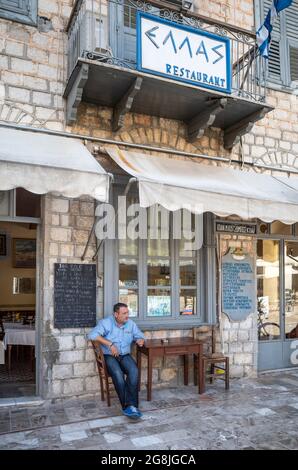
217 362
104 377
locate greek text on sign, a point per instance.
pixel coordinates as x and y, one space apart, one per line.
183 53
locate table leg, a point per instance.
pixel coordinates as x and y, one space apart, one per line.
139 365
149 380
185 357
9 356
201 372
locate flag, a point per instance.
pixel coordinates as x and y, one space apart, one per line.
264 32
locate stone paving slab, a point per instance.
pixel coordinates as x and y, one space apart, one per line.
255 414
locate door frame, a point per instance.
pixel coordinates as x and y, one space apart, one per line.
278 351
12 218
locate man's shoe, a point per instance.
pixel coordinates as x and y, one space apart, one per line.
132 412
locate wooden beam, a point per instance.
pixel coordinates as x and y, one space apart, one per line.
124 105
233 133
74 97
197 125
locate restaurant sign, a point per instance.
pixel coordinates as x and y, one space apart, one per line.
236 228
183 53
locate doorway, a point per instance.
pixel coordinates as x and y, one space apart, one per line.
277 295
19 238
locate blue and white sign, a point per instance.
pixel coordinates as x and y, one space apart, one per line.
183 53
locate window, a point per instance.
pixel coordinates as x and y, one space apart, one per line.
22 11
161 279
123 28
20 204
283 54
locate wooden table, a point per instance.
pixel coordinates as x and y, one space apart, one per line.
174 347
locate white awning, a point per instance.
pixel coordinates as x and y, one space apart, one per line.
43 163
206 188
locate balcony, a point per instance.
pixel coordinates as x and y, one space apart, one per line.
103 69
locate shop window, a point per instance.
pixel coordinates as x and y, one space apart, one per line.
19 203
268 289
27 204
159 276
280 228
4 203
277 228
291 289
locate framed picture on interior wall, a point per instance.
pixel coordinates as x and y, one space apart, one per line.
3 244
24 253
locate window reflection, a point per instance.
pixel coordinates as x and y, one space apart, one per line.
159 303
188 272
130 298
268 289
4 203
188 302
291 289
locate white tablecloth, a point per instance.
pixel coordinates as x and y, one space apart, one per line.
24 336
12 325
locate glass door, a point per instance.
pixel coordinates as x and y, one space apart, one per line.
277 300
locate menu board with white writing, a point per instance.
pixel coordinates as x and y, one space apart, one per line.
74 295
238 286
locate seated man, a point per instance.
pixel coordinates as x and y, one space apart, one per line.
116 333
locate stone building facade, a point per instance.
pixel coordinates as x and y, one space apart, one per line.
33 76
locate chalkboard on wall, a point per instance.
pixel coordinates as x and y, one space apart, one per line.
74 295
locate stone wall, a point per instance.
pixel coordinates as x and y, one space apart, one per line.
33 68
239 339
68 366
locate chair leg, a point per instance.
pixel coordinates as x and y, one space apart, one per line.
102 393
108 391
203 376
212 368
227 375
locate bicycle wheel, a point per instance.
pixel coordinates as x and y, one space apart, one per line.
271 330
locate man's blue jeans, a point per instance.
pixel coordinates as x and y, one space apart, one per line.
126 388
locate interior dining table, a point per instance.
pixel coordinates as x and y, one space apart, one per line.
17 334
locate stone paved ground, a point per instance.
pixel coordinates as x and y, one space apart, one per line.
255 414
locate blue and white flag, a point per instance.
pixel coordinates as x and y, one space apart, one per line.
264 32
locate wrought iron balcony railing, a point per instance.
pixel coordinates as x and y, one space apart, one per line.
105 31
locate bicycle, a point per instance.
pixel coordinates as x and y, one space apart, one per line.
266 330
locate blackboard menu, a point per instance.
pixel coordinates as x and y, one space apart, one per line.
238 286
74 295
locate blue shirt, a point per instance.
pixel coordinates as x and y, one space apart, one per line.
121 336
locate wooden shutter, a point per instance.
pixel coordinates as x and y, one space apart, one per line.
293 63
123 29
274 60
23 11
274 65
291 15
